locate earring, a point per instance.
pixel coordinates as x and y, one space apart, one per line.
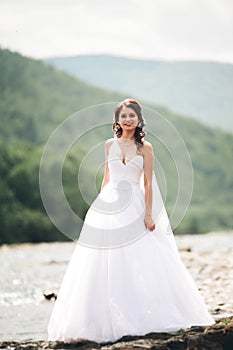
139 124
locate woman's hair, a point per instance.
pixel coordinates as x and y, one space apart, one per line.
139 132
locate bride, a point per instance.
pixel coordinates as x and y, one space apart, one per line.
125 276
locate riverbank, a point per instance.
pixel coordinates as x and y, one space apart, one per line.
28 271
216 337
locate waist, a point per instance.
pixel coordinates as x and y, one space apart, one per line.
124 183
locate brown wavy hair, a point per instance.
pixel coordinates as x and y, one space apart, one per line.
139 132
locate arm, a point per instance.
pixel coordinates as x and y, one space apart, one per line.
106 169
148 172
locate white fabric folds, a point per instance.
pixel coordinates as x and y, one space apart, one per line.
123 279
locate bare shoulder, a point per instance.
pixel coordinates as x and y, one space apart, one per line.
147 146
108 143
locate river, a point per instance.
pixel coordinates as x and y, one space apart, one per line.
30 270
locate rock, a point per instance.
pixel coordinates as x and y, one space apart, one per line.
50 295
186 249
216 337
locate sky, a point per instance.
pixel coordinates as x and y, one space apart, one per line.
143 29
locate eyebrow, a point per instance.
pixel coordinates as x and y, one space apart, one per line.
129 113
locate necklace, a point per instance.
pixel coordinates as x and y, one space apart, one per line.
125 149
126 143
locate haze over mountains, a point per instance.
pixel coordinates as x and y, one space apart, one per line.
35 99
202 90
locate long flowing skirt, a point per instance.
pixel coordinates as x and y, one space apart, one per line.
132 289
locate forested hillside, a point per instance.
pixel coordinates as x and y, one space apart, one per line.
35 99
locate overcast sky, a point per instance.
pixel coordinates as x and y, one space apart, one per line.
154 29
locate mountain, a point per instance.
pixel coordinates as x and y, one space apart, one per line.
35 97
202 90
36 100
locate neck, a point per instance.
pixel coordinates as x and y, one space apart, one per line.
129 135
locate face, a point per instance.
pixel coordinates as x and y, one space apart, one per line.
128 118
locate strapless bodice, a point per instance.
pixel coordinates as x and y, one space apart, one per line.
131 171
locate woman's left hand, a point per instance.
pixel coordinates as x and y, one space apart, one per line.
149 222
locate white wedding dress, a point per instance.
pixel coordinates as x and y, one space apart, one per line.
123 279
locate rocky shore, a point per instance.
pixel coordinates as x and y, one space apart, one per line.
26 306
216 337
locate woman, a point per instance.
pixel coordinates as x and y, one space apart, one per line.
125 276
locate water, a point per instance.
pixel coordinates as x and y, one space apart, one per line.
29 270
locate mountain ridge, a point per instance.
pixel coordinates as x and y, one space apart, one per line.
35 99
201 89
